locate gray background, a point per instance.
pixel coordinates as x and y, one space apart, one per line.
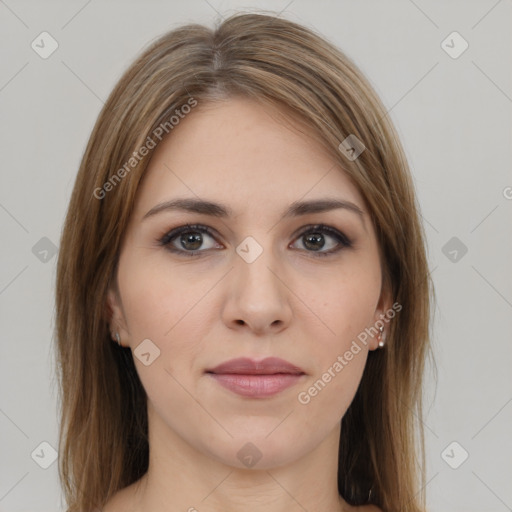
454 117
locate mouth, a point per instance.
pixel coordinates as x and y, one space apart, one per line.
256 379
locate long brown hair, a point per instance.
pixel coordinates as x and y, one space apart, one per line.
103 443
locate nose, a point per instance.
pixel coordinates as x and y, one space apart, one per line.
257 297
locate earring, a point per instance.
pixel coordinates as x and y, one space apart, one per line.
379 336
117 337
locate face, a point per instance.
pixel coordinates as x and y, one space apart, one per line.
248 282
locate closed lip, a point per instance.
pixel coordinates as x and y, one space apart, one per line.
247 366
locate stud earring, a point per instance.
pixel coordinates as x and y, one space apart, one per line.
379 336
117 337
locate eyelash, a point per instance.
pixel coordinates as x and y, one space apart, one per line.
166 240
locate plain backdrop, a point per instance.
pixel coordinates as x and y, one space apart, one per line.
452 108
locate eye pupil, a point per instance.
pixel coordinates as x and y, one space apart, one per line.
314 238
196 239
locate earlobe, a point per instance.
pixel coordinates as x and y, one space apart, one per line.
382 317
115 317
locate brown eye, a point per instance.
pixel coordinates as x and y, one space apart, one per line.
188 240
316 238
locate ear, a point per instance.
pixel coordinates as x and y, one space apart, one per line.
115 316
381 317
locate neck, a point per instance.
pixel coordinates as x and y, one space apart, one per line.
182 478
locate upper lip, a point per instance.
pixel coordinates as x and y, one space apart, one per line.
246 366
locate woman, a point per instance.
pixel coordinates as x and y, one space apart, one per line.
243 295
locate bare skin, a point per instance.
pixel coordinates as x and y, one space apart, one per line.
289 302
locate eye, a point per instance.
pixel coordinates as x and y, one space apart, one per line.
188 239
314 240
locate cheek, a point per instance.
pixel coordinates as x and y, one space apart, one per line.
169 307
157 297
347 306
339 356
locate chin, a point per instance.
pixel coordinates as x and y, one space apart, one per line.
259 450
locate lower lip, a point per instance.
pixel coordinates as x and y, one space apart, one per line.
256 386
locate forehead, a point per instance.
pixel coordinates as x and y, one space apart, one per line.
243 155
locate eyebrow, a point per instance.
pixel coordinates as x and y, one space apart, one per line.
296 209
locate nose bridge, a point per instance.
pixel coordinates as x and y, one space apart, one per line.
257 265
258 297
